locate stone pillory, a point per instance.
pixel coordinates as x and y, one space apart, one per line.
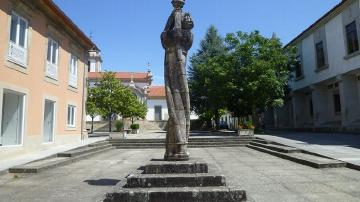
177 40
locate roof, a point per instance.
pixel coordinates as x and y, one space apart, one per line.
157 92
325 18
124 76
61 18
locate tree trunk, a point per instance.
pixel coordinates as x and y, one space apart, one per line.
132 120
208 124
92 125
217 120
110 123
255 118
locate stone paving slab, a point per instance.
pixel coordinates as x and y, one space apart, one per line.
264 177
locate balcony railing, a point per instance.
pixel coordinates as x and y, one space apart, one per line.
73 80
51 70
17 54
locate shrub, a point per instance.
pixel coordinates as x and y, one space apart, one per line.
119 125
135 126
246 125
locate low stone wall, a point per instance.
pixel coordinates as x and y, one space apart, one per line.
103 126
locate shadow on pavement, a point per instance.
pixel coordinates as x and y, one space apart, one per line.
103 182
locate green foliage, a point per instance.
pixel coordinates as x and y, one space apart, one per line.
259 73
91 108
245 74
135 110
119 125
207 77
246 124
111 97
135 126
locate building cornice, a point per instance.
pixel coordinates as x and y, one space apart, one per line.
321 21
57 16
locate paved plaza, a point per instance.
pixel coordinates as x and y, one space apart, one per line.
264 177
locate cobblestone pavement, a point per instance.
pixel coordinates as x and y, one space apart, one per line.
344 147
264 177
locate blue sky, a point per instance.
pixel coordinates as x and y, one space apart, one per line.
128 31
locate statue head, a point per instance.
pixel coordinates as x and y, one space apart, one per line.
178 4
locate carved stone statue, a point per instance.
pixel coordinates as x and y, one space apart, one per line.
177 39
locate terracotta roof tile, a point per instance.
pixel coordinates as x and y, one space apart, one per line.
122 75
157 91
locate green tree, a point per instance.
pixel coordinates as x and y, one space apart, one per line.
207 77
111 97
259 73
135 110
91 108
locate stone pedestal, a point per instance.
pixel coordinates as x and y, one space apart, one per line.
175 181
181 152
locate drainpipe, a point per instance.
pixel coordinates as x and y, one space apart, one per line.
83 100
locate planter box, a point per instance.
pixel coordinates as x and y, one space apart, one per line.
116 136
135 131
248 132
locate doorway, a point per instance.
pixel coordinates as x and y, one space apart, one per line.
158 114
12 119
48 133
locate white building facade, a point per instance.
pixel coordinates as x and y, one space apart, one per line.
156 103
325 90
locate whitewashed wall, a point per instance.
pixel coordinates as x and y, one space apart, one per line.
151 103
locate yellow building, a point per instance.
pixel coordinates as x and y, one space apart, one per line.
43 66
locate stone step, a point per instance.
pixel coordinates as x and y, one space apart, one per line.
49 163
279 148
303 158
190 140
261 141
178 194
180 167
82 150
161 143
189 146
175 180
101 143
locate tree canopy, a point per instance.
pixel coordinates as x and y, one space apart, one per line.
244 74
111 97
135 110
207 77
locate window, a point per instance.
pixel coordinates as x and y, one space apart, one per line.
73 71
52 58
320 54
71 116
352 37
337 103
18 40
298 67
53 51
